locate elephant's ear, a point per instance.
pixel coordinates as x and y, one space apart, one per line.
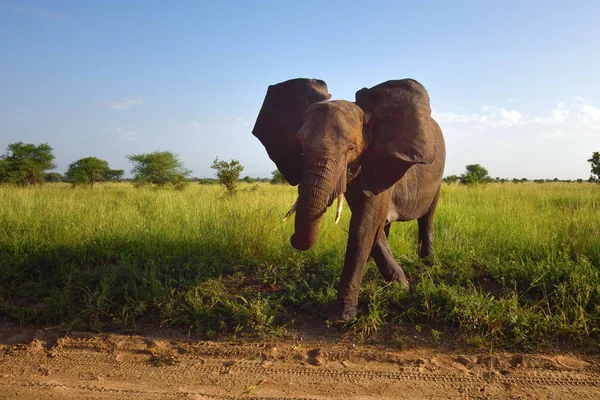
280 118
402 132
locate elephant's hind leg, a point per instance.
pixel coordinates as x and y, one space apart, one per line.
426 231
385 260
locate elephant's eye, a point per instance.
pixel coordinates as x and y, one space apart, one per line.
352 147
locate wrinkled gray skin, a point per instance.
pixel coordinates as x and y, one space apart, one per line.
384 153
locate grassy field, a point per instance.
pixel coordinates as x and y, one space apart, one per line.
518 265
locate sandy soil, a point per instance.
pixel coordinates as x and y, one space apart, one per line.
37 364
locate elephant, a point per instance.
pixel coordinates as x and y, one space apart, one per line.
384 153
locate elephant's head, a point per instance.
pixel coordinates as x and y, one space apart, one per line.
321 144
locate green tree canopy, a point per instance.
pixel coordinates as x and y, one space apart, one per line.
475 174
89 170
595 163
159 168
115 175
26 163
228 173
54 177
277 177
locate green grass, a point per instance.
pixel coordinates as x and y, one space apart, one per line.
518 265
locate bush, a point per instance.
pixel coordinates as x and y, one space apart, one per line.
277 177
595 162
228 173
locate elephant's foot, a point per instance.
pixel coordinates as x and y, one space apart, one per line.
391 271
428 259
342 312
401 280
395 275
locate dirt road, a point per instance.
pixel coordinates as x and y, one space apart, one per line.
39 365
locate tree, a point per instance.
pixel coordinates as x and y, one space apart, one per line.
26 163
277 177
89 170
54 177
160 168
595 162
450 179
475 174
115 175
249 179
228 173
207 181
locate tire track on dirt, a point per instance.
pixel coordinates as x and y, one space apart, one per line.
118 366
225 351
132 392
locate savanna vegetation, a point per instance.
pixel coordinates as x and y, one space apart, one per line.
518 265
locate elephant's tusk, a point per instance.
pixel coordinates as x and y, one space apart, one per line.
340 203
292 210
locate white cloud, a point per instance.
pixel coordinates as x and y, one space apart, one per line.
37 11
195 124
127 135
576 119
491 118
217 121
455 117
510 117
510 142
125 103
560 114
591 112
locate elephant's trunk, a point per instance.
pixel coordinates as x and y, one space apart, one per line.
320 185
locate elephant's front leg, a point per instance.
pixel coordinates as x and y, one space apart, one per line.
367 222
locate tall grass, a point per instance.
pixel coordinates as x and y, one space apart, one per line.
516 263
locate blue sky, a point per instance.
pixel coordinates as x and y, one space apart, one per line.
515 85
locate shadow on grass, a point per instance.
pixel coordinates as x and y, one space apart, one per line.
211 289
118 283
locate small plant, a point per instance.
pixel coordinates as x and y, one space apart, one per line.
437 335
165 359
228 173
374 319
251 388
